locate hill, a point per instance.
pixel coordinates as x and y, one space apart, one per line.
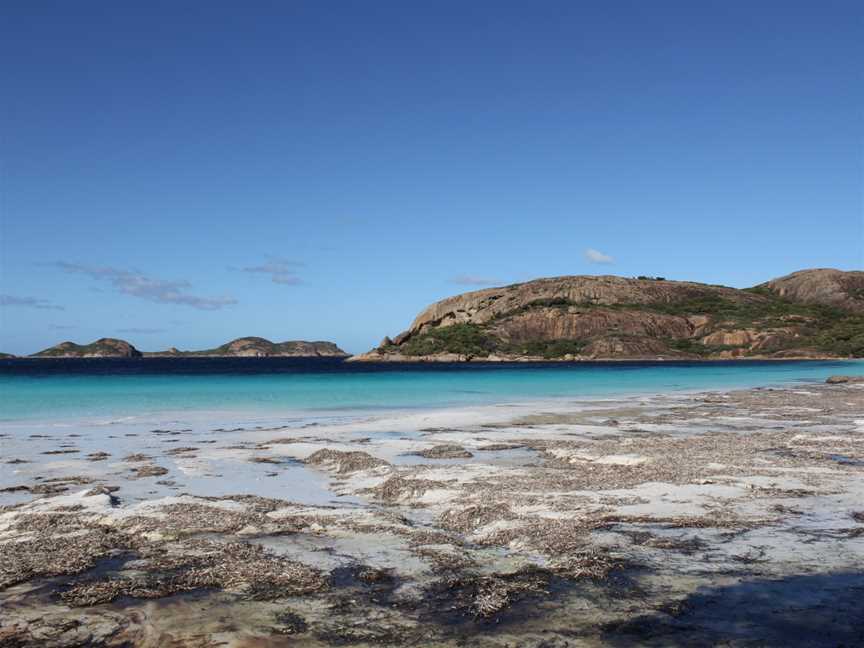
261 347
825 286
101 348
810 314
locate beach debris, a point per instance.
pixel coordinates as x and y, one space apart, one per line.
149 470
244 568
136 457
496 447
289 623
265 460
445 451
343 462
398 488
55 555
181 450
467 519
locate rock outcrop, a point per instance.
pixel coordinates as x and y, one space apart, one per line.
101 348
608 317
822 286
842 380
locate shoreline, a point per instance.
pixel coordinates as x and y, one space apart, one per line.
451 359
491 526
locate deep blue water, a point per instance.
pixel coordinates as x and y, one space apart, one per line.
61 388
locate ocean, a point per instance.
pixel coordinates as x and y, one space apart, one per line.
111 389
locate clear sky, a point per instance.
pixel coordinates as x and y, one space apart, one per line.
183 173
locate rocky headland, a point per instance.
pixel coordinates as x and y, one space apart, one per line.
808 314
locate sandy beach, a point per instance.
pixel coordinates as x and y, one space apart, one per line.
683 519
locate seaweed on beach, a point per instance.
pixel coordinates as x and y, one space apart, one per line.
75 551
398 488
445 451
343 462
245 568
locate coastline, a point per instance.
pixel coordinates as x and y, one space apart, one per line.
505 524
455 359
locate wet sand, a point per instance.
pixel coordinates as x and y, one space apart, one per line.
731 518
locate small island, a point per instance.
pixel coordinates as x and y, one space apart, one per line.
246 347
101 348
258 347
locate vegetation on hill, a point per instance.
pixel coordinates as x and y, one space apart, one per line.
102 348
811 327
262 347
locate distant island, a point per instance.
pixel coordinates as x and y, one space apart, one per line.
258 347
241 347
809 314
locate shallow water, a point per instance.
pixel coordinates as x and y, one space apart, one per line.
109 390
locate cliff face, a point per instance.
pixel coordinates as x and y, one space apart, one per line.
261 347
102 348
607 317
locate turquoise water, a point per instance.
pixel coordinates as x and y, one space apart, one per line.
301 388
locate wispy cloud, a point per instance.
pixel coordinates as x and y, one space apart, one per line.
137 284
281 271
142 331
595 256
29 302
474 280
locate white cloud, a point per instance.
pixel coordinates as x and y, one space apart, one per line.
474 280
281 271
137 284
595 256
28 302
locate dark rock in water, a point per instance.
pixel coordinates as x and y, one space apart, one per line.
839 380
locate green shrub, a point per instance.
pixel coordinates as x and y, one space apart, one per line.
464 339
549 349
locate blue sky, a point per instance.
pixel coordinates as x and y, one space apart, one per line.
186 173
